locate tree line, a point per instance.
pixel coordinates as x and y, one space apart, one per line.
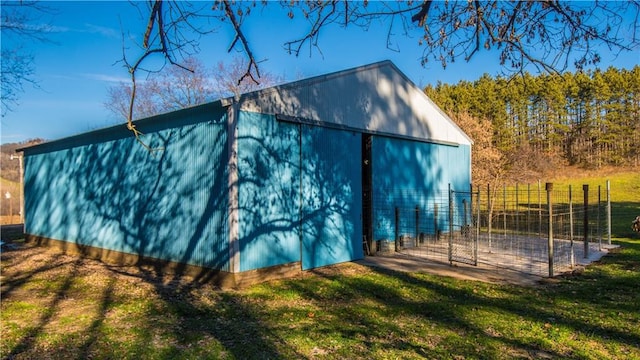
587 118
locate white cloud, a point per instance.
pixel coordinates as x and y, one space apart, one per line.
106 78
102 30
16 137
111 79
35 29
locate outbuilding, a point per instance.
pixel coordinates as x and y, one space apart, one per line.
269 182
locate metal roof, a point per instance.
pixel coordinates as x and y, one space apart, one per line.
376 98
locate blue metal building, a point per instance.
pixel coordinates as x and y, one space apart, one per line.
278 178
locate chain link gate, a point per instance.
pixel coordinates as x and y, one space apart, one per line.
463 226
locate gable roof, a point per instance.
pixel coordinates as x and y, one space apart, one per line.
376 98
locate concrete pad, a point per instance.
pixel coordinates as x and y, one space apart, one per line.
482 272
498 266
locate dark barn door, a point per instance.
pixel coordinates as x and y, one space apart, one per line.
367 192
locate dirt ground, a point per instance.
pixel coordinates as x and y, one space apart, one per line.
19 258
403 262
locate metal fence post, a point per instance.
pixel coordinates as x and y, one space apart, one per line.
598 227
517 210
573 261
504 209
470 204
539 211
435 221
585 190
464 212
397 220
417 226
528 208
475 243
450 225
549 188
490 215
608 213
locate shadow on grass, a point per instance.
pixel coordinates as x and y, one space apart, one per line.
9 284
228 319
31 336
53 284
373 306
373 313
93 331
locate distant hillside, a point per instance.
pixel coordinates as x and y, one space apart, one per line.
9 169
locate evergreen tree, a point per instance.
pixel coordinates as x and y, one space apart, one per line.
587 118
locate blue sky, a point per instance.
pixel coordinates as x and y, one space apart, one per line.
80 62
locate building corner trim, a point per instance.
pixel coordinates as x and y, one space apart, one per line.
232 185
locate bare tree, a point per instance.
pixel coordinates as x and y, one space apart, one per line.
487 162
17 28
176 88
226 75
119 101
547 35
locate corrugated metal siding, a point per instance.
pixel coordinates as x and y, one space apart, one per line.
104 189
331 196
407 174
376 98
268 191
274 200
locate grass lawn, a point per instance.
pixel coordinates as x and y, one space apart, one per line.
55 306
61 307
625 196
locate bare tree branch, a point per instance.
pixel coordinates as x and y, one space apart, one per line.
157 6
245 45
321 21
421 16
547 35
19 23
164 45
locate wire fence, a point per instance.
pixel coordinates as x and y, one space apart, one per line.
535 229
